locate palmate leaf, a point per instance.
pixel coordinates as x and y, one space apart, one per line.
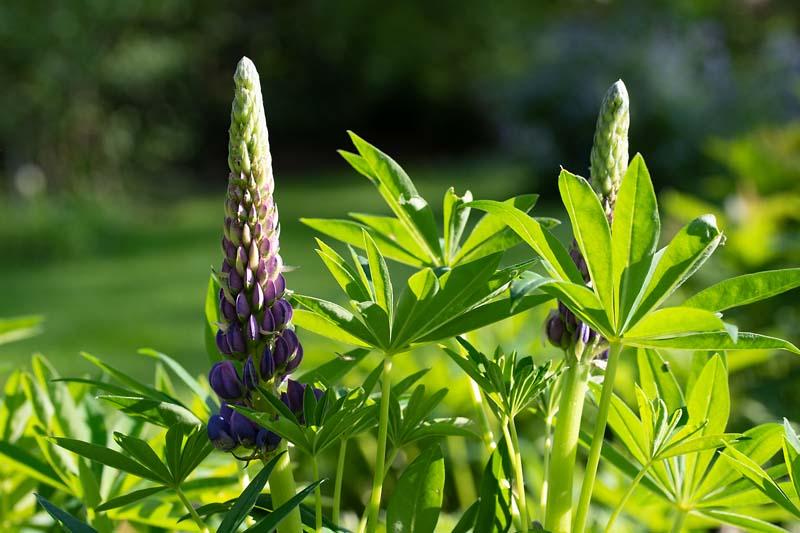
22 460
417 498
657 380
747 522
245 502
334 370
381 281
269 522
157 412
455 216
332 321
791 454
400 194
716 341
672 321
72 524
108 457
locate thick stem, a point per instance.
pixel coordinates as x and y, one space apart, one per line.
626 497
196 517
337 489
317 497
519 477
383 429
597 438
516 511
565 448
282 488
679 521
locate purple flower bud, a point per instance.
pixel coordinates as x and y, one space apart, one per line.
228 249
261 273
267 441
242 306
252 257
295 361
281 312
285 347
257 298
224 380
222 343
280 286
236 338
252 329
249 279
225 411
582 334
269 292
555 329
246 236
243 429
267 323
249 376
267 364
226 267
235 281
219 433
227 310
241 260
294 396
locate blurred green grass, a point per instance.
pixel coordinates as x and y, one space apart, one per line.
114 277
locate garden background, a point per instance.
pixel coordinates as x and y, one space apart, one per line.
113 144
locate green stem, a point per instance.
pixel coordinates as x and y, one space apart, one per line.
565 448
282 488
519 477
383 428
317 497
597 438
515 510
548 448
388 466
678 523
626 497
337 489
196 517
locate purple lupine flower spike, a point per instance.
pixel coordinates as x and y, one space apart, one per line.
249 375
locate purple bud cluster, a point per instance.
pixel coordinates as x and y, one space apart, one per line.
228 430
255 316
562 327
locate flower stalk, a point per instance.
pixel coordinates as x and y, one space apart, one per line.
373 509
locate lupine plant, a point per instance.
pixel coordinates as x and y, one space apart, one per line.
224 451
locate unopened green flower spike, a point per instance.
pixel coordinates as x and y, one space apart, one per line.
609 158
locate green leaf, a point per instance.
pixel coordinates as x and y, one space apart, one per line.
791 454
749 523
583 302
484 315
14 329
70 523
22 460
657 379
402 197
269 522
626 426
719 341
331 372
184 376
592 234
635 230
163 414
494 510
708 403
491 234
379 273
752 471
347 278
108 457
245 502
555 257
743 290
672 321
212 319
333 321
124 378
392 229
420 289
144 454
455 220
697 444
687 252
129 498
350 232
417 498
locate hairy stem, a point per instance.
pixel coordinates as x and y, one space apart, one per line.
626 497
317 497
196 517
597 438
565 448
519 476
337 489
282 488
380 458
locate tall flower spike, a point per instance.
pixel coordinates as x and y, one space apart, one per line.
253 309
609 158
